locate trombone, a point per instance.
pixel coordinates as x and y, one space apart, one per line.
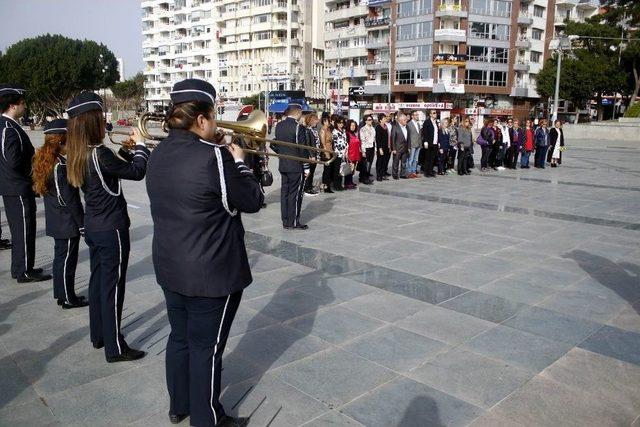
141 125
253 132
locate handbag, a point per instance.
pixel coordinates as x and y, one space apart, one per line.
266 179
345 168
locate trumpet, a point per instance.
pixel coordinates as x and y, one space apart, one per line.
253 132
141 126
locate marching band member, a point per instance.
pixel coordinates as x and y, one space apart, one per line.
197 191
16 185
97 170
63 211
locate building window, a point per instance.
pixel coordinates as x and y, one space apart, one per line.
535 56
424 53
538 11
261 19
414 8
536 34
491 7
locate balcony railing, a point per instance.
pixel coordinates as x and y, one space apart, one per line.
451 10
449 59
449 35
376 22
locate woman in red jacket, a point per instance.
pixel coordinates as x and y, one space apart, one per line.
527 147
353 152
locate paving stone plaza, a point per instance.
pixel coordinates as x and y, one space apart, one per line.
506 298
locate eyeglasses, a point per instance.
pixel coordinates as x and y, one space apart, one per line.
369 120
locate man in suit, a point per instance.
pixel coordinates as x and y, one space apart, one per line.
400 146
430 143
293 172
415 142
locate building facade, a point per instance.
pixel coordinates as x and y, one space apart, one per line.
243 47
472 53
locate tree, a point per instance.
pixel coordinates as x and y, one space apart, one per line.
252 100
589 70
129 94
54 68
624 16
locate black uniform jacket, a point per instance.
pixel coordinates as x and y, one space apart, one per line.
15 159
428 132
63 210
198 246
286 131
105 206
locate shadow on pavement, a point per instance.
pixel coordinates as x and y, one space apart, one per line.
422 412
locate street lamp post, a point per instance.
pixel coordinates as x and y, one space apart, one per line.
564 43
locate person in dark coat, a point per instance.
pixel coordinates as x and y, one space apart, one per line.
198 189
430 143
383 150
400 147
63 210
16 185
541 137
293 172
97 170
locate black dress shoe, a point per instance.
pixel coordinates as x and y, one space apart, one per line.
264 205
80 303
98 345
177 419
129 355
30 277
228 421
301 226
78 298
5 244
328 190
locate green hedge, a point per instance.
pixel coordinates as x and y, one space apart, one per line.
633 111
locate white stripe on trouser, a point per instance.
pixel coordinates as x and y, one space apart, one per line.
213 362
24 233
115 305
295 218
64 272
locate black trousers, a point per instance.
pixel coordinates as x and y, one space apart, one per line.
308 183
430 160
494 155
399 164
109 257
199 330
21 216
443 160
484 160
382 162
452 158
65 260
463 161
327 173
366 163
541 151
336 178
291 194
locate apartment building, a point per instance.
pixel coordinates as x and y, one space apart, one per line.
468 52
179 42
242 47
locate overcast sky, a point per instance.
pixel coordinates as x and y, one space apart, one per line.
116 23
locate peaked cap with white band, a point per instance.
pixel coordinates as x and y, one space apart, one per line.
86 101
11 89
56 127
193 90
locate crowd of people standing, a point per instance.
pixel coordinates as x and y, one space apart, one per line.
401 146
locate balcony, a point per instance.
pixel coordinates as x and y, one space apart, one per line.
449 59
448 86
346 13
346 72
350 52
376 22
345 33
449 35
521 66
523 43
589 4
451 11
376 87
376 43
525 19
567 3
377 64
